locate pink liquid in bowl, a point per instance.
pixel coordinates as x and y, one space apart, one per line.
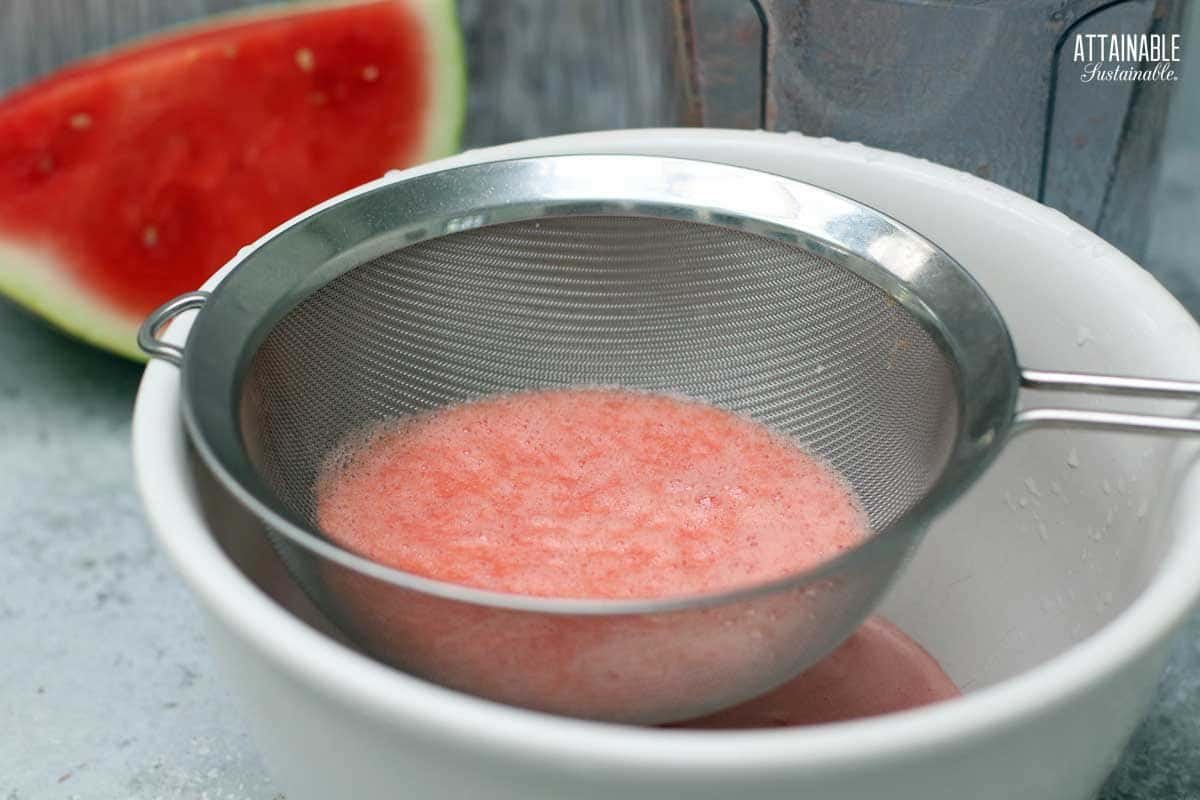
582 493
878 670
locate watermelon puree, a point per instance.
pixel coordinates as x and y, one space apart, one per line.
589 493
146 169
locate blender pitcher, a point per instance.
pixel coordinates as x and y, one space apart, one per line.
995 89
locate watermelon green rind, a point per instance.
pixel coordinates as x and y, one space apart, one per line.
448 111
36 277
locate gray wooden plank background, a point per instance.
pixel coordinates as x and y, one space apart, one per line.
536 67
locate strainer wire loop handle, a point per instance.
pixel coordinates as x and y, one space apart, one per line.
1108 385
147 337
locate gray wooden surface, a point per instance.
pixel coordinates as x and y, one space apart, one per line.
536 67
106 686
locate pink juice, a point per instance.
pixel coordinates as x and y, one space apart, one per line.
587 493
878 670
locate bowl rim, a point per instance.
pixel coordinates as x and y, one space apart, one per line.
374 690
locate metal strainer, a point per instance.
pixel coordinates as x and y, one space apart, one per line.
798 307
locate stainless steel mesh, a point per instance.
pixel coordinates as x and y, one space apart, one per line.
749 323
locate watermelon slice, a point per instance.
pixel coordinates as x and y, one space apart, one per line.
129 178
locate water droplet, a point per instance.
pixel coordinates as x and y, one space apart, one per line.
1056 488
1083 336
1073 458
1032 486
1106 487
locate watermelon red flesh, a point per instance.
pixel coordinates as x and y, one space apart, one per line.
130 178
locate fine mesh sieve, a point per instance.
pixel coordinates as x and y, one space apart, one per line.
797 307
752 324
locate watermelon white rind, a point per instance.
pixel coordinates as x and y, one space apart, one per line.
38 280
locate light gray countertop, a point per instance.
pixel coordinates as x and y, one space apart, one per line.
107 689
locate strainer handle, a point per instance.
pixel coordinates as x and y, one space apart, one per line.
147 337
1107 420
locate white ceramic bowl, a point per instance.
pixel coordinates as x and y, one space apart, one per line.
1048 593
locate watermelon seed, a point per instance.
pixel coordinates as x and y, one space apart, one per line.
305 59
150 236
230 51
46 163
317 98
81 122
370 74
